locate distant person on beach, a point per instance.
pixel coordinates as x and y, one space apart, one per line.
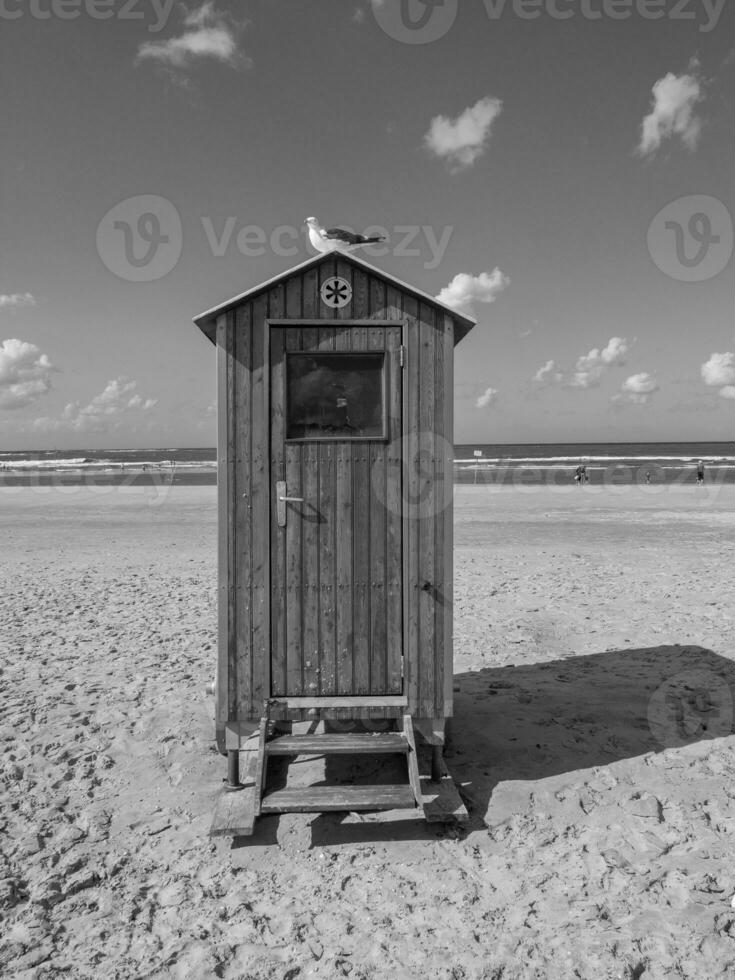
580 474
700 472
648 476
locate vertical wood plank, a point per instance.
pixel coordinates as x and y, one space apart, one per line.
310 293
326 270
448 547
343 567
376 298
241 542
343 546
360 295
440 501
273 306
310 590
225 603
278 534
377 577
396 654
293 297
345 269
276 299
327 553
394 303
261 492
361 496
327 570
310 515
294 554
412 379
429 476
291 612
386 598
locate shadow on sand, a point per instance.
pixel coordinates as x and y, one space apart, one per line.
525 723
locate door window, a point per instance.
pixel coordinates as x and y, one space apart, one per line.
336 395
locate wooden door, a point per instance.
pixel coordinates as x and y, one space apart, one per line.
336 553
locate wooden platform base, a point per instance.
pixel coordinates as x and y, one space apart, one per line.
237 809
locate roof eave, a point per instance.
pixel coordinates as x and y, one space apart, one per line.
207 321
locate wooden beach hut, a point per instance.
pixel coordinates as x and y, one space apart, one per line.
335 416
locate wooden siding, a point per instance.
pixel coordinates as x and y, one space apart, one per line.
226 646
247 491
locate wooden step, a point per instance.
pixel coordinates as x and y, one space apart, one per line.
318 799
333 743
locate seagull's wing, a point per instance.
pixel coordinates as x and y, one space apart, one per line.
342 235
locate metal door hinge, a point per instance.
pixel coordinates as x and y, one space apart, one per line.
402 355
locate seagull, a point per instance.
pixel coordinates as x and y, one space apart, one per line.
329 239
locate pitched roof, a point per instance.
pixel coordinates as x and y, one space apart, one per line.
207 321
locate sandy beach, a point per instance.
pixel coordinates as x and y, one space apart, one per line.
593 744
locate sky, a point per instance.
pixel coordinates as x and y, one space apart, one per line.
561 169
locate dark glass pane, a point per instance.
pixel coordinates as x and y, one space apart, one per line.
335 396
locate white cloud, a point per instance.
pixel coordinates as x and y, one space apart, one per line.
462 140
728 391
465 289
638 388
25 373
591 367
719 370
640 384
120 401
675 98
14 300
201 16
208 33
548 374
586 379
615 352
488 397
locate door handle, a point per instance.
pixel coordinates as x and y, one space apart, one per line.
281 500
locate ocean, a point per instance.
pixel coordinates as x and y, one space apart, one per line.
105 467
608 462
477 463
